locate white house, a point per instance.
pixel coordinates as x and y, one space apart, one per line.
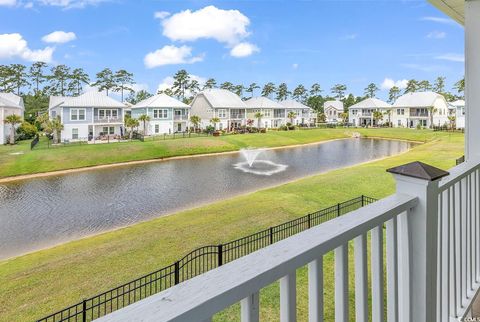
459 113
9 104
269 110
361 114
222 104
90 116
167 114
420 109
332 110
304 115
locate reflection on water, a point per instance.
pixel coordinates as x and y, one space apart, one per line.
42 212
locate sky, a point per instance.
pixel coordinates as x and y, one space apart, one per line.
298 42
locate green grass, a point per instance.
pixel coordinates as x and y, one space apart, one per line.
43 159
34 285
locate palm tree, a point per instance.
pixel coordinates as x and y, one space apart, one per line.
123 81
131 123
12 120
282 92
377 116
144 118
344 117
388 113
54 126
452 119
214 121
431 110
238 89
322 118
259 116
268 89
228 86
105 80
195 119
291 115
251 88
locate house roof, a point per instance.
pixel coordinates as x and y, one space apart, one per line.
160 100
293 104
218 97
371 103
458 103
418 99
88 99
338 105
11 100
453 8
262 102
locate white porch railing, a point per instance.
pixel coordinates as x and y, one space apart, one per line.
425 217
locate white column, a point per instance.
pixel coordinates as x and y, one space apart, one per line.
422 226
472 78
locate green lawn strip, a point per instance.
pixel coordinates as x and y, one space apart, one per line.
43 159
34 285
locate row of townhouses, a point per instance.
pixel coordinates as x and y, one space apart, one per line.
410 110
9 104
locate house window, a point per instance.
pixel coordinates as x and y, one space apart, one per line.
399 123
267 113
222 113
160 114
54 114
102 114
178 113
74 134
221 126
77 114
400 111
157 128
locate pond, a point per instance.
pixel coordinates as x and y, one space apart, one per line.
43 212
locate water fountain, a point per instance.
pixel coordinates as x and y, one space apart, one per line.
258 167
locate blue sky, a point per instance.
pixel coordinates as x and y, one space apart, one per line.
350 42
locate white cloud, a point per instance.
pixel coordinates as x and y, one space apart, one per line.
171 55
437 35
59 37
225 26
167 82
8 3
295 66
350 37
71 4
28 5
14 46
446 21
452 57
161 14
388 83
243 49
426 68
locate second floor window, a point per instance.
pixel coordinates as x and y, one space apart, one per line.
222 113
400 111
267 113
160 114
103 114
77 114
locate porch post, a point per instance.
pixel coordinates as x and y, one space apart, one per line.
472 79
420 180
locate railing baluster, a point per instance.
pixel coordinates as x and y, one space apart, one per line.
445 255
315 290
377 274
361 279
477 224
341 283
392 271
463 241
404 268
250 308
288 298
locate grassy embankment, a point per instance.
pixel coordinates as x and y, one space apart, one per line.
39 283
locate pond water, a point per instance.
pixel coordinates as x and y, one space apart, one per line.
43 212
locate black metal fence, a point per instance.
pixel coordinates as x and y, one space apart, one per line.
460 160
34 142
196 263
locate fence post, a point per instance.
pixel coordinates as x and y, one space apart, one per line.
338 210
271 235
363 200
84 311
220 254
177 273
309 221
418 229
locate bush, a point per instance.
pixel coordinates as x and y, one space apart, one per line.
26 131
419 127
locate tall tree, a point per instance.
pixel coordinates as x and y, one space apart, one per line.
439 85
460 86
77 79
282 92
123 81
251 88
37 74
139 96
393 94
338 91
181 80
371 90
412 86
238 89
105 80
268 89
228 86
315 90
6 75
425 86
60 75
194 87
210 83
18 77
300 93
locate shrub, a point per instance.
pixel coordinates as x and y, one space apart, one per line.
26 131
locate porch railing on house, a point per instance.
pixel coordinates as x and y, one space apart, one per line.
196 263
430 257
108 119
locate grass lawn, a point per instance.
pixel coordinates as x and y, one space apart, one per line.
34 285
18 159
